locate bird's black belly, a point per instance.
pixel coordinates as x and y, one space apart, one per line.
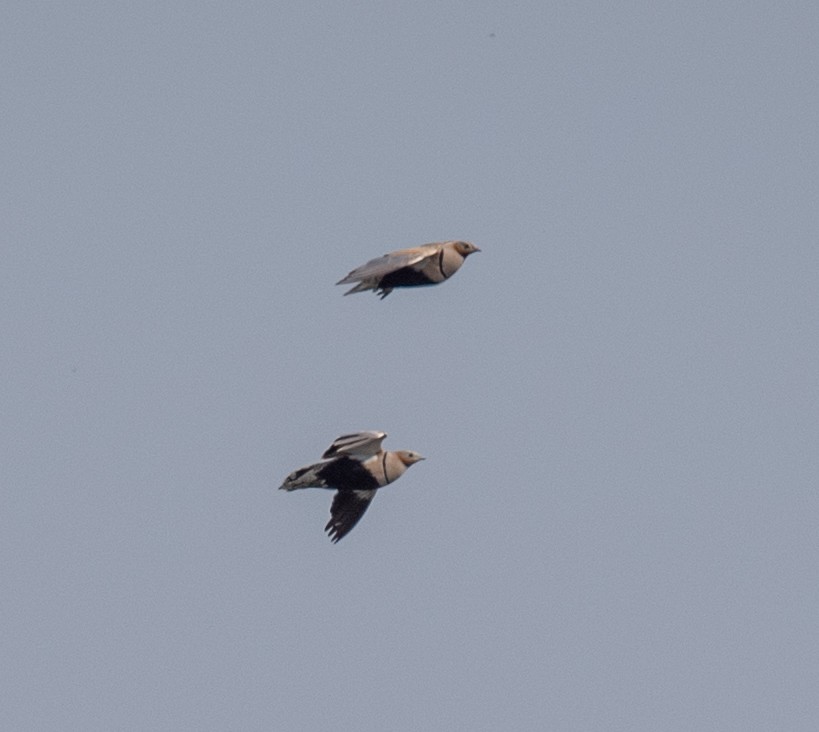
404 277
344 473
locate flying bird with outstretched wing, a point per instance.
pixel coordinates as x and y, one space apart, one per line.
355 467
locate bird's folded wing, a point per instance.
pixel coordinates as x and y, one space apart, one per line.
348 507
359 445
391 262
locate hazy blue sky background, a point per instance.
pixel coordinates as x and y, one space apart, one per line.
616 526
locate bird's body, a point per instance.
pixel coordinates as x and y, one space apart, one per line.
356 467
427 264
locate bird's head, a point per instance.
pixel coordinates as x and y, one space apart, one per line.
408 457
465 248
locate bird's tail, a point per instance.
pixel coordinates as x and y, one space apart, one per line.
304 478
360 287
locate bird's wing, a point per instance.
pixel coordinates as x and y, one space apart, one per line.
359 445
347 509
377 268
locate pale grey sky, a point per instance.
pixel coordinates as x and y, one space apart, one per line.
616 526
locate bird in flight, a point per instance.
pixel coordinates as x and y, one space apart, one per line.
355 467
427 264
